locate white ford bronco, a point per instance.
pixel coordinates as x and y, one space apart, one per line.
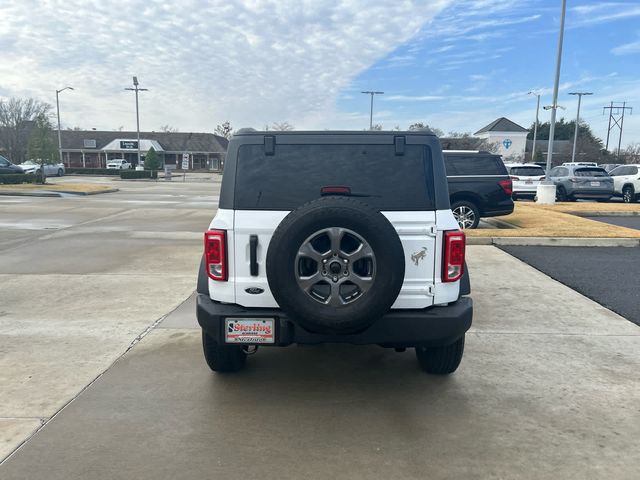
334 237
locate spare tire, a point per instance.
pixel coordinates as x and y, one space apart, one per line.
335 265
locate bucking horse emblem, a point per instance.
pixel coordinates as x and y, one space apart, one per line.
416 257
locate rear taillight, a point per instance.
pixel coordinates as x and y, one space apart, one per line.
215 254
507 186
514 178
541 178
454 246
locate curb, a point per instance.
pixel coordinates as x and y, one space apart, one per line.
52 193
605 214
554 242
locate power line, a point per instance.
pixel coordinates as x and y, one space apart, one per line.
616 115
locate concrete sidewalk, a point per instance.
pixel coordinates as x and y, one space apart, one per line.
549 388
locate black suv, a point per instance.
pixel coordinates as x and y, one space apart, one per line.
479 186
334 237
7 167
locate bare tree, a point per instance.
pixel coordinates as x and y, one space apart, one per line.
376 126
224 129
17 116
282 126
168 129
631 154
424 126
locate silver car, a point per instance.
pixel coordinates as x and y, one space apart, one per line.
579 181
50 169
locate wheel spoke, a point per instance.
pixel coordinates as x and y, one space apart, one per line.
363 283
307 250
362 251
335 235
335 300
307 282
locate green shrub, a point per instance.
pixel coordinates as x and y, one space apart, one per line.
151 160
92 171
17 178
133 174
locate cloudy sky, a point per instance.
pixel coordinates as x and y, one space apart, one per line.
455 64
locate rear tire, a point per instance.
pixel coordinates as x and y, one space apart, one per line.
60 172
441 360
222 358
466 213
628 195
561 195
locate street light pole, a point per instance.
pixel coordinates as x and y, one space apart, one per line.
554 105
372 93
137 89
58 112
535 126
575 134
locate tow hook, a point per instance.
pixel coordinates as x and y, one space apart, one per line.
250 349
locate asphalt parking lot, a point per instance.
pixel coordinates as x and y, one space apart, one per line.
102 325
622 221
608 275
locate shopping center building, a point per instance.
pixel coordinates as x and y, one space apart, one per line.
93 149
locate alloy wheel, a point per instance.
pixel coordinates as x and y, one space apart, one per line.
335 266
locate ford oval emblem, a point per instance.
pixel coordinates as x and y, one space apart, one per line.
254 290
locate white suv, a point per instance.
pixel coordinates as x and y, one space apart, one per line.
525 177
118 164
334 237
626 182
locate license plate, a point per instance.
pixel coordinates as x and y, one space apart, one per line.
249 330
528 182
595 184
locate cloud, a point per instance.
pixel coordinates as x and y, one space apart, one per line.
249 61
603 12
627 48
413 98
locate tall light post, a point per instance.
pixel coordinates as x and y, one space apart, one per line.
372 93
58 112
535 125
137 89
554 105
575 134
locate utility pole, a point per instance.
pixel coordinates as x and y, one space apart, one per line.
554 105
372 93
137 89
616 115
535 126
575 135
58 112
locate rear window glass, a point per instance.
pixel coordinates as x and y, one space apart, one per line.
527 171
295 174
590 172
457 165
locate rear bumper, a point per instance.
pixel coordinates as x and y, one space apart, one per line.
398 328
588 193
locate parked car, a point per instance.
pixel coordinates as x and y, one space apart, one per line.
7 167
118 164
626 182
334 237
525 177
609 166
578 181
578 164
50 169
479 186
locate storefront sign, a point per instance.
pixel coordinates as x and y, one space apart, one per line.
128 145
185 161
